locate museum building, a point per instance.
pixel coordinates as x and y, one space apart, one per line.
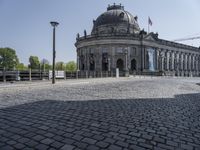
116 41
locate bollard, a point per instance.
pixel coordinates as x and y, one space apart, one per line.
65 75
117 72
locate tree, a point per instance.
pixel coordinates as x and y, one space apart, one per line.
34 62
8 58
71 66
60 66
45 64
21 66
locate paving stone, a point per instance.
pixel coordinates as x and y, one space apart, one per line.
135 134
78 137
19 146
89 141
10 143
58 138
67 147
187 147
92 147
49 135
98 137
146 136
81 145
57 144
7 147
135 147
102 144
68 141
122 144
165 146
31 143
114 147
172 143
109 140
38 137
47 141
41 147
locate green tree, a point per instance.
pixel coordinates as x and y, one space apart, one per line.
8 58
21 66
60 66
71 66
45 64
34 62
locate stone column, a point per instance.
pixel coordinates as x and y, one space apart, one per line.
157 51
100 58
173 60
177 65
185 62
180 63
162 60
193 62
197 64
189 62
87 60
167 60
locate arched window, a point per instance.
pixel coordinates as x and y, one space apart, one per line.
105 62
92 62
133 64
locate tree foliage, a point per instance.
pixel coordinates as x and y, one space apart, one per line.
21 66
8 58
45 64
34 62
71 66
60 65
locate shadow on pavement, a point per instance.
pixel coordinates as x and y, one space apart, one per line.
166 123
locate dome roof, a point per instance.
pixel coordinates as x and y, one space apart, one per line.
116 14
115 20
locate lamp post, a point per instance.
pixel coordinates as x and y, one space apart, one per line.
54 24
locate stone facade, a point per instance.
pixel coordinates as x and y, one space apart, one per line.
116 41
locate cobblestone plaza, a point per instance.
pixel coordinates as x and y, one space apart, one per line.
132 113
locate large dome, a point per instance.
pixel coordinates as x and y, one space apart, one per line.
116 15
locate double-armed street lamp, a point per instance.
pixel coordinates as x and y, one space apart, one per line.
54 24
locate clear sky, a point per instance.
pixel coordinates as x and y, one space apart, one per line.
24 24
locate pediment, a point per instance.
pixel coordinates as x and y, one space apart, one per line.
151 37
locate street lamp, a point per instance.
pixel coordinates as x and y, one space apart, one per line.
54 24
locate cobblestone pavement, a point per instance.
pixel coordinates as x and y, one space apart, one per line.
158 113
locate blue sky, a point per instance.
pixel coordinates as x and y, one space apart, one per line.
25 23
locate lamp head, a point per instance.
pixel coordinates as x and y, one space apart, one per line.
54 24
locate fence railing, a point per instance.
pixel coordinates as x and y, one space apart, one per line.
29 75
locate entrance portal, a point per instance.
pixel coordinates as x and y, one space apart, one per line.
120 64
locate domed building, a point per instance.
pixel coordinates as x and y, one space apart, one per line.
116 41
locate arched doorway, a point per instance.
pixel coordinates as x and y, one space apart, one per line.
133 64
120 64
